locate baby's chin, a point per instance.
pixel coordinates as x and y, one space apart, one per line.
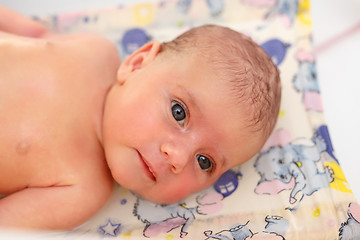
162 198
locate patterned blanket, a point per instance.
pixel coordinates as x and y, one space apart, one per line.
293 188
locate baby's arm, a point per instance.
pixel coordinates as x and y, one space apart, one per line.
18 24
62 207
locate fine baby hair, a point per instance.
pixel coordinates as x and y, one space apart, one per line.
253 77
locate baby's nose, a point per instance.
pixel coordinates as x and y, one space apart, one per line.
177 156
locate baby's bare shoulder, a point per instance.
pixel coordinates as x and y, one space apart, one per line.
62 58
88 46
87 43
91 53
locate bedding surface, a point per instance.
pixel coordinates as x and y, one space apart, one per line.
293 188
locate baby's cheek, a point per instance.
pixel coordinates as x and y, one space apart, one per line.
118 161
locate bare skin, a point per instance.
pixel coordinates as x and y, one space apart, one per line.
50 125
73 119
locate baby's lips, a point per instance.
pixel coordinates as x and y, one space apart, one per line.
147 167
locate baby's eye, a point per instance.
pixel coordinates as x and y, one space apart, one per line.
178 112
204 163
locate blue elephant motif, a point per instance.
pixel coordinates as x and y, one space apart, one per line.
239 232
292 167
275 226
160 218
306 78
351 228
288 8
215 6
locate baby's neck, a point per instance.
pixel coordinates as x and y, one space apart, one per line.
100 117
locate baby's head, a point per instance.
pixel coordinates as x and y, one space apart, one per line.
252 78
184 112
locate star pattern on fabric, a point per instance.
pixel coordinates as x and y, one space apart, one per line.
110 229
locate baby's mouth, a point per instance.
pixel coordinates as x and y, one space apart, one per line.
148 170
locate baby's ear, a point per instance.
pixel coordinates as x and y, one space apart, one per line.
137 60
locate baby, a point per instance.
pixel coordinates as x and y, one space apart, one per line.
165 123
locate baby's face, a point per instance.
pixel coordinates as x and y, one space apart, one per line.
172 129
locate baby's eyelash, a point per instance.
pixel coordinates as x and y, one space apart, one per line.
213 167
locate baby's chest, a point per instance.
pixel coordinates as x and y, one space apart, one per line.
38 154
